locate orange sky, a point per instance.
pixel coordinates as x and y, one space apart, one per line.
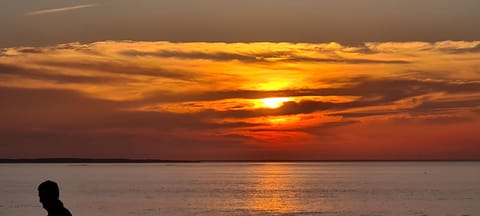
204 100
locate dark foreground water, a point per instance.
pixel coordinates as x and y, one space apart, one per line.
364 188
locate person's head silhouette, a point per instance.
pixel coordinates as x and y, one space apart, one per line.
49 194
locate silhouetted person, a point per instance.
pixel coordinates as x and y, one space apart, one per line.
49 197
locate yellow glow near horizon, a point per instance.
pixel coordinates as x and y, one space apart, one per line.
275 102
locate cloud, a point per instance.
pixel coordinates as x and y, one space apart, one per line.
362 114
121 68
173 98
258 57
58 10
15 72
220 56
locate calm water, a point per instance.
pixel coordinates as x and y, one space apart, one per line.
366 188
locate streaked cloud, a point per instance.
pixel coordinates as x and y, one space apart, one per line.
58 10
317 100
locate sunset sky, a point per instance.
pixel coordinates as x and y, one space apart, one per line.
240 79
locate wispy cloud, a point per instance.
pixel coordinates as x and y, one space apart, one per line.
58 10
164 98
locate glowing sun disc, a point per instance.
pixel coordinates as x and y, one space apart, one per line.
274 102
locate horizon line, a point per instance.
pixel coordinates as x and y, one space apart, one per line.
127 160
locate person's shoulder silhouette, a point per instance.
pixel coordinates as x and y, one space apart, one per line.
49 194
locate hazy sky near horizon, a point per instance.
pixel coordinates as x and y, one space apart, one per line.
343 21
186 79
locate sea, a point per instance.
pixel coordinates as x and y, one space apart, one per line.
248 188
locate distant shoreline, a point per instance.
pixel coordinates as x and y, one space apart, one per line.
122 160
92 160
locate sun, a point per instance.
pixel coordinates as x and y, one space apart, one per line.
275 102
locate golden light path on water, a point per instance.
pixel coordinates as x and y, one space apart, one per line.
274 190
282 188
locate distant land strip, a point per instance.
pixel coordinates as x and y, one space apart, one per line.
92 160
123 160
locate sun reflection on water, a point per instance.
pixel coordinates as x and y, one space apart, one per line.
274 190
